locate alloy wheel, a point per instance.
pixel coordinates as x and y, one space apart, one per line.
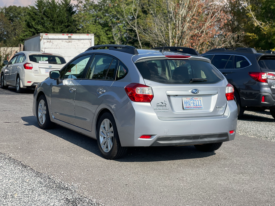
106 134
42 110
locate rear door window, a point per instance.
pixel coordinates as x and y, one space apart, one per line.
103 68
230 63
47 59
169 71
21 58
220 61
241 62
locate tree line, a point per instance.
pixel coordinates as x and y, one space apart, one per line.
200 24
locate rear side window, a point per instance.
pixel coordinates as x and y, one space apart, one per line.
241 62
47 59
170 71
220 61
121 71
267 62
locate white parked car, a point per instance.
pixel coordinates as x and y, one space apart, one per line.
27 69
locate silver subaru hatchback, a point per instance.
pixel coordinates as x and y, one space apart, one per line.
126 97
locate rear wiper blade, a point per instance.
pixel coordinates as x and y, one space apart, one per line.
197 80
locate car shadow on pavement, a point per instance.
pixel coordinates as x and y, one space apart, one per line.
11 90
137 154
257 118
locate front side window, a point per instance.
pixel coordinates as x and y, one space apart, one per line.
100 67
169 71
47 59
75 69
220 61
241 62
13 60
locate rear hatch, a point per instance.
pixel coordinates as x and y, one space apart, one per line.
184 88
267 64
44 63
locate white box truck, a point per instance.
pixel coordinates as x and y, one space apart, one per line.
67 45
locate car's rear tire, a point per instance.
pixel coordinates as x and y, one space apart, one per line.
108 139
18 86
208 147
42 113
238 102
3 86
272 112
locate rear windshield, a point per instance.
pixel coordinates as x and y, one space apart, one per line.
179 71
267 62
47 59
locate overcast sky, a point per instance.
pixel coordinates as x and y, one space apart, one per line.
18 2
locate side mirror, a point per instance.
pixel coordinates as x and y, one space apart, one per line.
6 62
54 75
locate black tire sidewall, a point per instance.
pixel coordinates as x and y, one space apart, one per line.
238 102
18 90
47 123
116 144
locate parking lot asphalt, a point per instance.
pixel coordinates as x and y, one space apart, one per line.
240 173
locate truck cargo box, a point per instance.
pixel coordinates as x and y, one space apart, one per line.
67 45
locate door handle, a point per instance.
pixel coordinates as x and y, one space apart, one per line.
72 90
101 91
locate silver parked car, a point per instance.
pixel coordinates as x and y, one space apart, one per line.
126 97
26 69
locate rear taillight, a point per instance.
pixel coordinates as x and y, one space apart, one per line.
229 92
270 76
28 66
145 136
259 76
139 92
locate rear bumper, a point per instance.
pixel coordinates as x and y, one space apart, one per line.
31 79
188 131
269 100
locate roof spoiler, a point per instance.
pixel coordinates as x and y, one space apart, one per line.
185 50
121 48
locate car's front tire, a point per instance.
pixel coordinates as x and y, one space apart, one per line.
18 86
3 86
208 147
107 138
42 113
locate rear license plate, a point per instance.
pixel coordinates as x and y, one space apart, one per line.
46 71
192 103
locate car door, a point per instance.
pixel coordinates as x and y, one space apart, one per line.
63 93
8 70
94 90
16 68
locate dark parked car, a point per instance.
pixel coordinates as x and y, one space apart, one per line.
251 73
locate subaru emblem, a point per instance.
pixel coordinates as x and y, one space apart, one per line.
195 91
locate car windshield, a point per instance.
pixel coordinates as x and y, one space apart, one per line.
169 71
267 62
47 59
